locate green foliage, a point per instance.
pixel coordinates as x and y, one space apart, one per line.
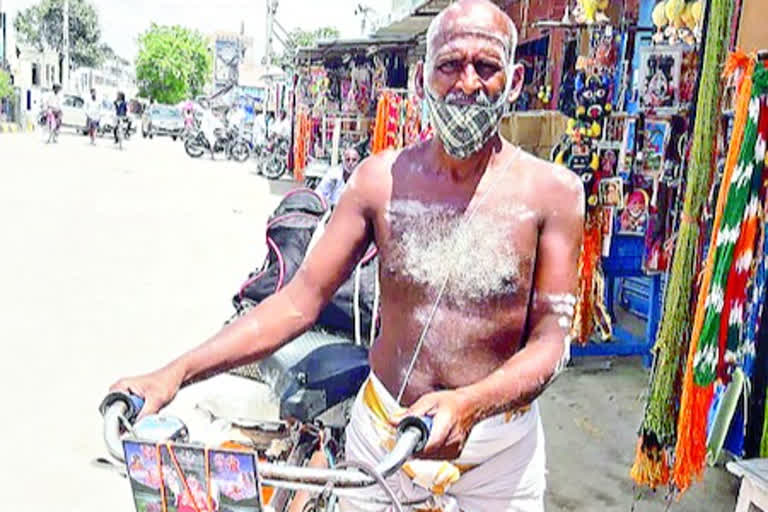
6 89
173 63
299 38
41 25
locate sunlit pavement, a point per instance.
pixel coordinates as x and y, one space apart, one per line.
112 263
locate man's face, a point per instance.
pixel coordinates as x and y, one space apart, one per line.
350 159
470 56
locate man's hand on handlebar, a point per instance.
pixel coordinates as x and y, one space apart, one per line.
452 420
157 388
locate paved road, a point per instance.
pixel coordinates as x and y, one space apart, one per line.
112 262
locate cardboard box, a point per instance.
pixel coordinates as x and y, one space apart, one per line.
536 131
753 35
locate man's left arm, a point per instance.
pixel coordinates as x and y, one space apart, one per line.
547 348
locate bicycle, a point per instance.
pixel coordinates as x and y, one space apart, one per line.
286 475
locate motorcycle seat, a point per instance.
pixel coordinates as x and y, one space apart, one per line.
313 373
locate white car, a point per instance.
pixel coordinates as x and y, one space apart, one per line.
73 113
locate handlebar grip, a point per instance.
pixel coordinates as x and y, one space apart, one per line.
133 403
421 423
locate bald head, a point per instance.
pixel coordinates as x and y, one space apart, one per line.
479 17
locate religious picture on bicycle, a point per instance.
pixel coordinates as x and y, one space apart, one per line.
185 482
141 460
233 475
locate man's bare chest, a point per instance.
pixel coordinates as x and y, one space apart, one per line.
483 255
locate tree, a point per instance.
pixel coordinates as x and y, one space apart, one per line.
6 89
300 38
109 55
173 63
42 26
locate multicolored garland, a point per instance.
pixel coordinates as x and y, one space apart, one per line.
691 458
741 67
657 432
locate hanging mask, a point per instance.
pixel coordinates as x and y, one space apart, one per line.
593 97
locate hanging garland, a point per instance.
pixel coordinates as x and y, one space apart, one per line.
740 66
657 432
692 449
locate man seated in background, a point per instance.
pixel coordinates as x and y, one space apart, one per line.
332 184
282 126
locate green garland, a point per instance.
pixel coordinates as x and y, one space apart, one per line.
659 423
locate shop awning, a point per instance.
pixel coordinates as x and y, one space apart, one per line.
411 18
340 47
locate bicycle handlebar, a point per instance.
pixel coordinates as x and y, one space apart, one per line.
412 435
115 406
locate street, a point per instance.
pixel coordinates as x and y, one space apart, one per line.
113 262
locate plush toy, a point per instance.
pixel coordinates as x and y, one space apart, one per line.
677 20
591 11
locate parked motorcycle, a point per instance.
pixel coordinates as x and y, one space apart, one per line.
274 160
228 141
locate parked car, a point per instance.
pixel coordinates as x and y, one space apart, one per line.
73 113
162 120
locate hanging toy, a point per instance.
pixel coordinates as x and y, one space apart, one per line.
591 11
592 95
674 9
545 94
660 20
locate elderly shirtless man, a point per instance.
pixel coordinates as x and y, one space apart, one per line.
479 243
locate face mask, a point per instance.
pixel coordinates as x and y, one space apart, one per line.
465 129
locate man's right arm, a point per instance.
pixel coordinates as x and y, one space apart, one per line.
284 315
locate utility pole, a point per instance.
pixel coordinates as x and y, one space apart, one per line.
271 11
65 71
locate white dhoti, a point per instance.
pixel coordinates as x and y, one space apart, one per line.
501 468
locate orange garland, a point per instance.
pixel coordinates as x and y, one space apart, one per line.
691 447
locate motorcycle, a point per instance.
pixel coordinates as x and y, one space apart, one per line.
315 379
123 130
228 141
239 147
274 158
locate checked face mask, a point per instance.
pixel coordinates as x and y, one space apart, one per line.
464 128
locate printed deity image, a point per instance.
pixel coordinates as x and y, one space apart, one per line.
660 82
656 138
144 474
185 483
634 218
612 192
233 475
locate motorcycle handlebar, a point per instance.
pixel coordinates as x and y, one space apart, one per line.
412 435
